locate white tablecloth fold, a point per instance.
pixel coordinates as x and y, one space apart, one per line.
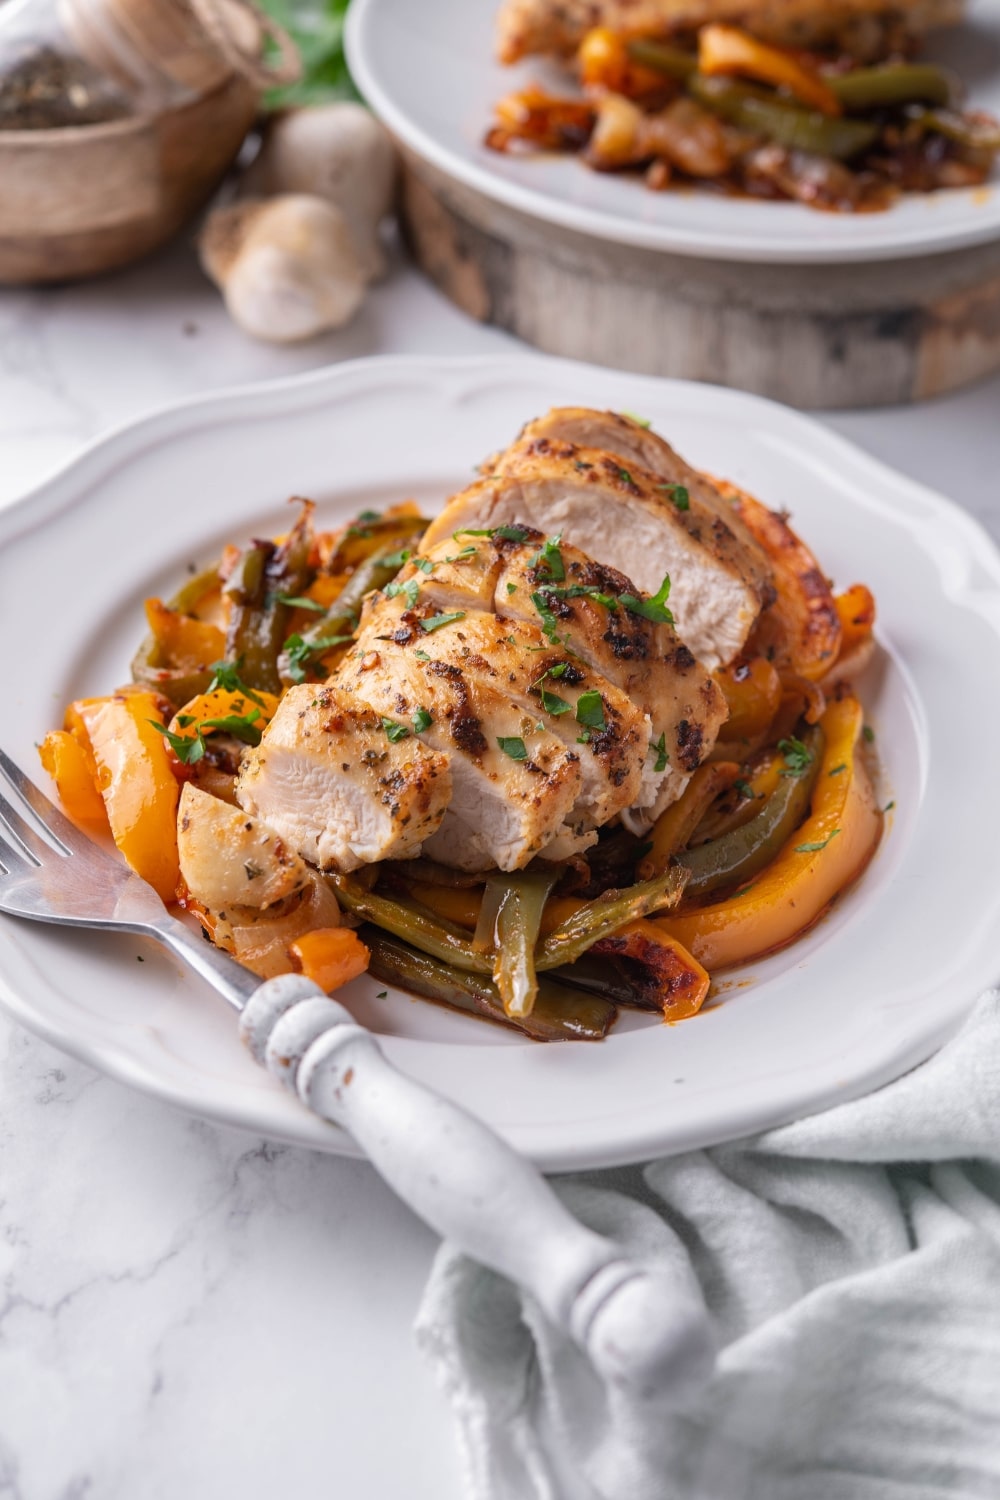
851 1264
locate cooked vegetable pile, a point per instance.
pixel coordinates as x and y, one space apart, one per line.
469 757
735 113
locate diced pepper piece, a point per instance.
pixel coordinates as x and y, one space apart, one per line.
185 644
136 781
667 975
727 50
825 854
752 690
330 957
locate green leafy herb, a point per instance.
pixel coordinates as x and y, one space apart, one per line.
185 720
743 789
660 746
590 710
395 732
625 477
798 757
511 533
410 590
511 589
241 726
584 591
188 749
584 737
837 769
397 559
678 494
815 848
550 558
639 421
318 31
226 675
462 556
421 656
295 601
868 733
421 720
382 995
434 622
513 746
889 807
299 653
553 704
654 609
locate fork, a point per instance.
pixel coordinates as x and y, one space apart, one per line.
644 1326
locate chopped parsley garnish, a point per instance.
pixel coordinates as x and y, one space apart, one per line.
553 704
462 556
410 589
578 463
584 737
421 720
299 653
815 848
505 533
361 530
888 807
434 622
424 564
382 995
226 674
549 627
662 756
590 710
743 789
185 720
421 656
297 601
550 558
868 733
370 515
798 757
513 746
187 748
678 493
655 608
241 726
395 732
511 589
585 591
625 477
837 769
639 421
397 559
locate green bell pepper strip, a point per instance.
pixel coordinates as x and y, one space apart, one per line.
796 129
258 620
559 1014
413 923
891 84
670 61
606 914
518 921
965 131
738 856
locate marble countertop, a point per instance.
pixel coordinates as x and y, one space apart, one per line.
134 1241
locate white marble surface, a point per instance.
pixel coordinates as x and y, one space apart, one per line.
186 1312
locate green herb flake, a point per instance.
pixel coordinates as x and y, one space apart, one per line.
554 705
435 622
410 590
513 746
421 655
396 559
625 477
185 720
590 710
662 755
226 675
798 757
888 807
815 848
837 770
395 732
297 601
550 558
654 608
382 995
187 749
584 738
421 720
869 734
678 494
743 789
242 727
424 564
511 533
639 421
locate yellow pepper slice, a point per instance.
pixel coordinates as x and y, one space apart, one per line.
827 853
727 50
139 789
69 762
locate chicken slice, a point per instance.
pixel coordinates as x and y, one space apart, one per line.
228 858
546 682
623 516
514 783
862 28
328 778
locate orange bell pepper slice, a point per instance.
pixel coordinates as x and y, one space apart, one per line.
729 51
139 789
827 853
185 644
330 956
70 763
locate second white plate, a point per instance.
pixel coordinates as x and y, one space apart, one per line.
872 990
429 71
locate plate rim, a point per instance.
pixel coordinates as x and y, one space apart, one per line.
74 479
781 249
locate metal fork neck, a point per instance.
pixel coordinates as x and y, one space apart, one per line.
233 982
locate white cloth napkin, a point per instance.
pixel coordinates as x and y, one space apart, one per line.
851 1264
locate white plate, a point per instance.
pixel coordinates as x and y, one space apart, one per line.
871 991
428 70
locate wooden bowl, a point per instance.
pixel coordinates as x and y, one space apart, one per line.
78 201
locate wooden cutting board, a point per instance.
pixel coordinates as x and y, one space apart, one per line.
812 336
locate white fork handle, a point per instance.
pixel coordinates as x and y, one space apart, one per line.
643 1326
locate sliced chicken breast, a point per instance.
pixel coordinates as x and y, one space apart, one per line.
623 516
514 783
593 717
863 27
339 787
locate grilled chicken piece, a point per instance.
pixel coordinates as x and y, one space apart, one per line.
579 617
865 29
228 858
329 780
503 809
545 682
624 516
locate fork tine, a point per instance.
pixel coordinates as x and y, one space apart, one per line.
66 836
21 832
12 861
